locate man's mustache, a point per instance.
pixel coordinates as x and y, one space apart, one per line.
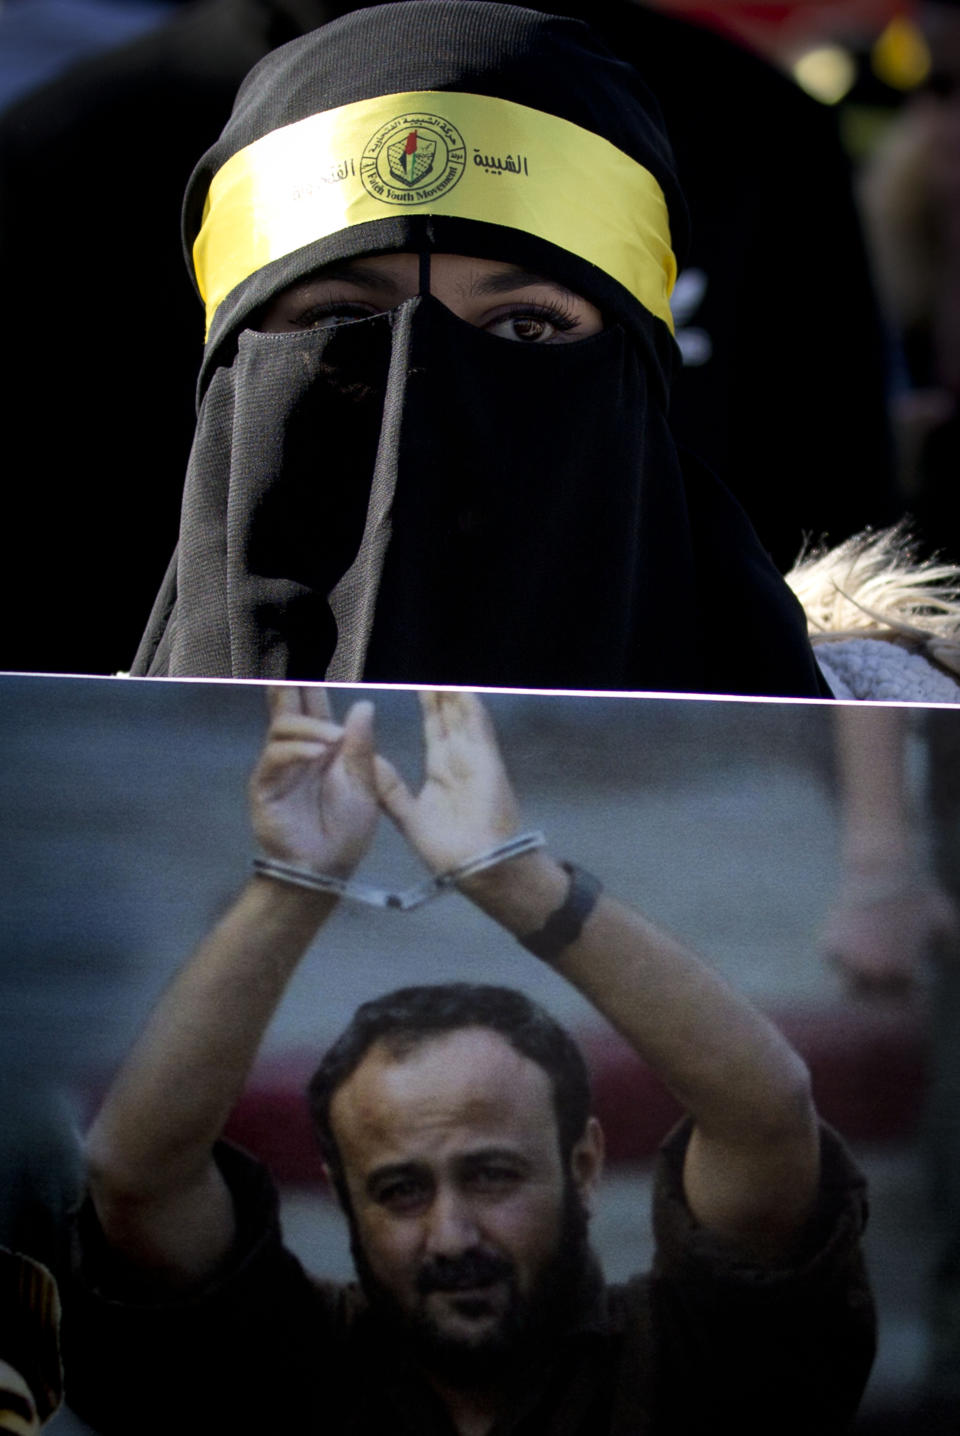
474 1268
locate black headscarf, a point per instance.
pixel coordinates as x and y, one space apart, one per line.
409 499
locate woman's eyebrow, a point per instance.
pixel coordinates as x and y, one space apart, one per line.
515 279
355 273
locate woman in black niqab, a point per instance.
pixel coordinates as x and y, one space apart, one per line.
406 498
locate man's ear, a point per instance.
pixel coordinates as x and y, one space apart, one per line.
586 1161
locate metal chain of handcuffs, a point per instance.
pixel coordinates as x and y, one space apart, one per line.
410 898
561 928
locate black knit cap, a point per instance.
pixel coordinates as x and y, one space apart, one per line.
544 62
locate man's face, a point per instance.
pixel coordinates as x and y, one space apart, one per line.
460 1202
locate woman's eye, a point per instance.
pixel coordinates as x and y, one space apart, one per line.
327 316
532 327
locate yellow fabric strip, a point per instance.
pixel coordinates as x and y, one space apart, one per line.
444 153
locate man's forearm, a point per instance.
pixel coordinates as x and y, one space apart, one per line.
729 1067
157 1190
151 1175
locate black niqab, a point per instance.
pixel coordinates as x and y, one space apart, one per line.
409 499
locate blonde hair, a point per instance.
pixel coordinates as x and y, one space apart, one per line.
874 585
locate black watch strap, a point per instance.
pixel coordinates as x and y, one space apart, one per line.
564 925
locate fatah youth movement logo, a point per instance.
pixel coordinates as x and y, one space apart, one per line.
413 159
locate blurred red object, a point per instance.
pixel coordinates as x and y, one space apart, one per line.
779 29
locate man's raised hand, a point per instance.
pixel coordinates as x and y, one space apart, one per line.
466 804
312 794
880 942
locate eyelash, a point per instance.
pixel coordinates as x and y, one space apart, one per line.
563 320
310 318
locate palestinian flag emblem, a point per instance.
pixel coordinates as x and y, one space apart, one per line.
413 159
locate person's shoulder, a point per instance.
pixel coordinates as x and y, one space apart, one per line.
881 671
244 1350
884 622
683 1247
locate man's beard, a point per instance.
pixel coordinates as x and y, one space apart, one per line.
528 1327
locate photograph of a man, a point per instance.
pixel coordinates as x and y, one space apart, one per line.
456 1127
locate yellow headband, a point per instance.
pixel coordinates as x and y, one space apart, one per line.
444 153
